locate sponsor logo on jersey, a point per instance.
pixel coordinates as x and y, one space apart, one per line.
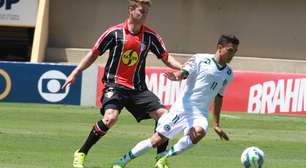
229 72
130 57
167 127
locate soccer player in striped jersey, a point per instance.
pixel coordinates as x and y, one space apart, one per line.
207 77
124 74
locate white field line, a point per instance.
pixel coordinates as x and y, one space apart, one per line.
229 116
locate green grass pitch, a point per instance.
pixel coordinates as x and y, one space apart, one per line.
45 136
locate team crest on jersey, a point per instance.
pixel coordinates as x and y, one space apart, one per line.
109 94
130 57
207 61
142 47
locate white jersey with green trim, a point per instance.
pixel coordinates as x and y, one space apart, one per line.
206 79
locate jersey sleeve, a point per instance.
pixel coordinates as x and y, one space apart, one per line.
105 41
226 82
190 65
157 46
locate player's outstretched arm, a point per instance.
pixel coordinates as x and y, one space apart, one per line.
216 118
85 63
177 75
174 76
171 62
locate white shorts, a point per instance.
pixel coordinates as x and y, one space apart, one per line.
172 123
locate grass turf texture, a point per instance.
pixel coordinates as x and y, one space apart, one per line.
45 136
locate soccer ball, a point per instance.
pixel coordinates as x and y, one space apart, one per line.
252 157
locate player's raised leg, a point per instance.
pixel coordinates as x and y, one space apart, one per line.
156 115
194 136
98 131
139 149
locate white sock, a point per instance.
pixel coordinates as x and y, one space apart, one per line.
137 150
182 144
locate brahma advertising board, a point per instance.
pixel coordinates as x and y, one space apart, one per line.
267 93
252 92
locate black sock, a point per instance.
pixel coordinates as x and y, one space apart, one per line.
162 147
95 134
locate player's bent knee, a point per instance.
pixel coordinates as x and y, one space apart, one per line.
110 118
109 121
196 134
157 139
157 113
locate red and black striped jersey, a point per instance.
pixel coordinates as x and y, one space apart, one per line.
127 54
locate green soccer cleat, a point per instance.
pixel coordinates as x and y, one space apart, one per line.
79 159
161 163
118 164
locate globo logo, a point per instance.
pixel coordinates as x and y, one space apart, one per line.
50 86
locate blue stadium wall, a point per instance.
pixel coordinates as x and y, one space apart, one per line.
41 83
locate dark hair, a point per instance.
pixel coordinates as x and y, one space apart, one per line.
134 2
228 38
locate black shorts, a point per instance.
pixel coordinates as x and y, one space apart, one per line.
138 103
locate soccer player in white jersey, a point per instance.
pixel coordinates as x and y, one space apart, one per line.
207 77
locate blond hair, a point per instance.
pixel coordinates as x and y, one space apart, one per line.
134 2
